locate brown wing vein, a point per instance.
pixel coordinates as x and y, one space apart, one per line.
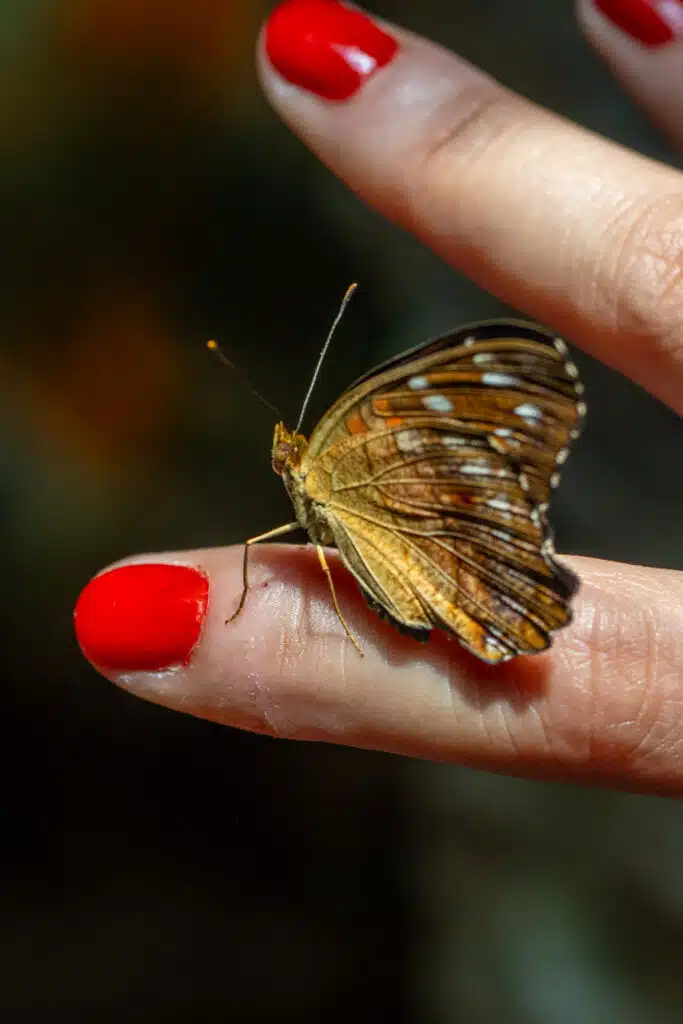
496 580
487 618
499 582
367 578
490 576
473 608
431 534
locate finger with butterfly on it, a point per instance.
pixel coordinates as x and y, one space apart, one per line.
282 666
605 704
572 229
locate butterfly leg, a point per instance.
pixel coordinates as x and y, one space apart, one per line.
277 532
326 569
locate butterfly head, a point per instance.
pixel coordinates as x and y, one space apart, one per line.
288 449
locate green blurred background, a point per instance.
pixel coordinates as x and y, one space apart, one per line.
159 868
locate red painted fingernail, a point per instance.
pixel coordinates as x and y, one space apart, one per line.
652 22
324 47
141 618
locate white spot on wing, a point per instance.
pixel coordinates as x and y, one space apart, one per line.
502 432
502 504
560 346
408 441
499 380
562 456
449 441
528 411
571 370
482 357
417 383
437 403
481 469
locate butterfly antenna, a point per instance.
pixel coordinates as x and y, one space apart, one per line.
214 347
316 373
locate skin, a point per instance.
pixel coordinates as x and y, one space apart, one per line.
578 233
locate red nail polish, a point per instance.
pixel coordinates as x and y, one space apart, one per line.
324 47
141 618
652 22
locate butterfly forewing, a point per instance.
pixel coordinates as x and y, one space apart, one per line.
433 474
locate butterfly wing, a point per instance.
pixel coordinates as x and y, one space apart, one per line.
434 473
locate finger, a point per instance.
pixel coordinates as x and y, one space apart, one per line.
604 704
639 39
576 231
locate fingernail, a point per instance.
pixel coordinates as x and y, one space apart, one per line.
325 47
652 22
141 618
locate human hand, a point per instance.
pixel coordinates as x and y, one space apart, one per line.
578 233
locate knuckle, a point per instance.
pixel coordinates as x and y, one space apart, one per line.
466 125
638 282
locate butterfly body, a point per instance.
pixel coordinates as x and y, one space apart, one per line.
432 476
288 451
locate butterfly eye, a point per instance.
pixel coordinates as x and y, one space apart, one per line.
280 457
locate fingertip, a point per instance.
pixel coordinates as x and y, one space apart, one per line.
645 55
649 23
603 702
327 49
141 616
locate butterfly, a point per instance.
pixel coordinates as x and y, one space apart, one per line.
432 476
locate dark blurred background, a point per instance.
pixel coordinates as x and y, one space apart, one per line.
159 868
